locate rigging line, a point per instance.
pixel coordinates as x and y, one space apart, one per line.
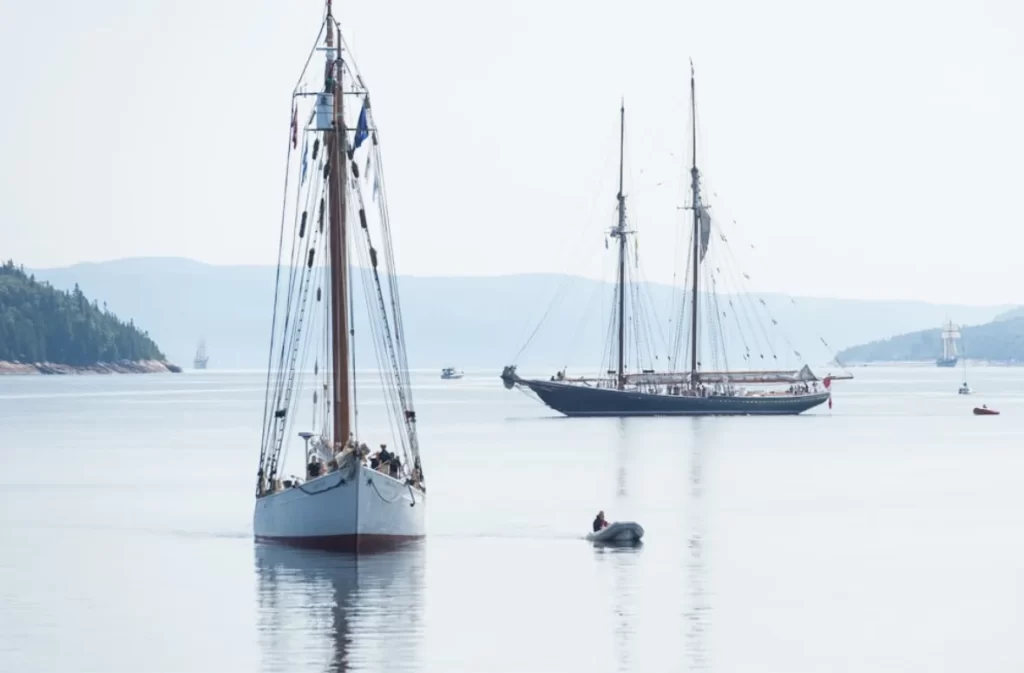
608 302
714 325
391 405
270 358
392 388
322 382
381 495
746 307
653 323
573 343
596 292
286 385
287 337
385 227
717 336
559 295
266 401
310 343
268 430
407 397
352 348
289 420
560 288
636 316
384 321
781 332
309 58
828 349
746 295
297 265
739 330
392 275
681 337
647 316
743 299
792 299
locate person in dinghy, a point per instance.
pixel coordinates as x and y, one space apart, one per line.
620 532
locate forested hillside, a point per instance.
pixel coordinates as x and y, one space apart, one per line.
1001 340
41 324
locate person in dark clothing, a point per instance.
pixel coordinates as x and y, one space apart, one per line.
599 521
384 458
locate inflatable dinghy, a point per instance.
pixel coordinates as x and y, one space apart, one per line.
620 532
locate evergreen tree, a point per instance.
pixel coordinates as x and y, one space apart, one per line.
41 324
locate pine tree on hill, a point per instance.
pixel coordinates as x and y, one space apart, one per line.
41 324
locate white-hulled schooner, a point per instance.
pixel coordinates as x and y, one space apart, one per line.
334 211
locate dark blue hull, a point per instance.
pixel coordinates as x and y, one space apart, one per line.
580 400
950 362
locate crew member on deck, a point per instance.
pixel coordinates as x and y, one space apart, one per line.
314 468
600 522
385 459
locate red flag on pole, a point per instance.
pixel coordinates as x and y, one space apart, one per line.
827 381
295 127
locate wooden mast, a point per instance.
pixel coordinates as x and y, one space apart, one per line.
337 240
694 186
620 379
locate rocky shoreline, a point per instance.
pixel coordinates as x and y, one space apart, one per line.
119 367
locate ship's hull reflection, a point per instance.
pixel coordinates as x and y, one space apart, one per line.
339 612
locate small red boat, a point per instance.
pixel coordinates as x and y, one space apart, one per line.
985 411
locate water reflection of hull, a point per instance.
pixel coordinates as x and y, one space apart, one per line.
339 612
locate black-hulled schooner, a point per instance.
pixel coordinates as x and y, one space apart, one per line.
690 390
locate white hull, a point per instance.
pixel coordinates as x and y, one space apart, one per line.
346 510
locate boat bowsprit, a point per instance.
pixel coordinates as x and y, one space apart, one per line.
620 532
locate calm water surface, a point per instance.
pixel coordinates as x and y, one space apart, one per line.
885 535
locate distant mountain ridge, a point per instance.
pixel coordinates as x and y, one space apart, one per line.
467 322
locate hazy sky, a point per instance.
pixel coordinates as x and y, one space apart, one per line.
867 150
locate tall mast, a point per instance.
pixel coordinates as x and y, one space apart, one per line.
696 231
621 233
336 178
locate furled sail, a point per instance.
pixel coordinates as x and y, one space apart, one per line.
705 232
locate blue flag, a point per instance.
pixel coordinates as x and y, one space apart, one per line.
362 130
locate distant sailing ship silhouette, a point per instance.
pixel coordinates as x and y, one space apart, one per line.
950 337
201 357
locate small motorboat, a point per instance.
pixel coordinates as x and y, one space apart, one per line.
450 373
965 389
620 532
983 410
